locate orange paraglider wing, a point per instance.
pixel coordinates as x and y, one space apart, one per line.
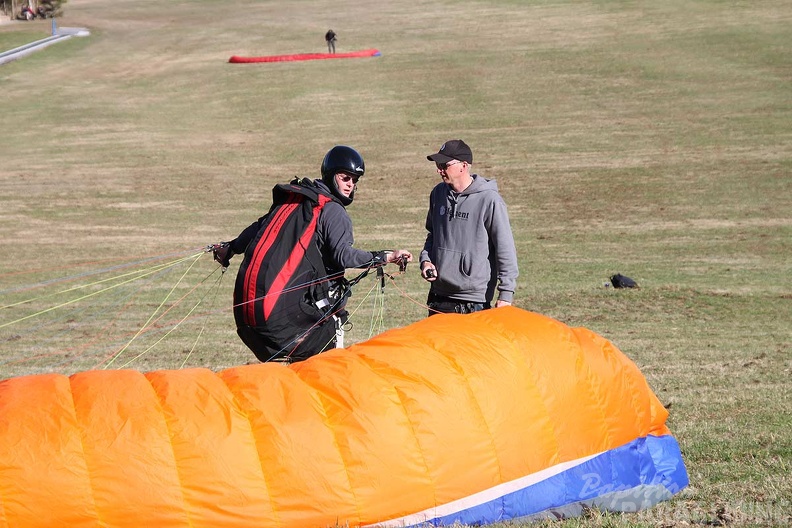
498 415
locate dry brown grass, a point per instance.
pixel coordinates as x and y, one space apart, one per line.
651 139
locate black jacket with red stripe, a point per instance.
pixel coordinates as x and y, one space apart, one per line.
294 255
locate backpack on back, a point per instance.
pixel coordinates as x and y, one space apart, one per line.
282 289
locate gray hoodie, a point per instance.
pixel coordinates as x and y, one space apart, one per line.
470 242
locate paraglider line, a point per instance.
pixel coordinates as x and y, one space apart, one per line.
377 323
101 334
154 324
30 316
196 257
406 296
211 308
174 327
290 289
82 286
86 274
334 309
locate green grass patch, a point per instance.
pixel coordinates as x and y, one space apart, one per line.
10 39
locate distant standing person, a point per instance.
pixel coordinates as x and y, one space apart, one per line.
330 37
469 250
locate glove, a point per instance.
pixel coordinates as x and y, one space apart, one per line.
222 253
379 258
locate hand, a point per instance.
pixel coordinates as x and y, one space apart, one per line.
429 272
400 255
500 303
222 253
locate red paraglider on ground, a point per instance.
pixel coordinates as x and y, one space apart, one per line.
235 59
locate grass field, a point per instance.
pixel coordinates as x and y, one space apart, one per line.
648 138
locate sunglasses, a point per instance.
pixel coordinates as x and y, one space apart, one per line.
346 178
444 166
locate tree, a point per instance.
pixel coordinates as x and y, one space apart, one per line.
52 8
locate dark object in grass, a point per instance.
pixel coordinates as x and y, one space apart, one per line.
620 281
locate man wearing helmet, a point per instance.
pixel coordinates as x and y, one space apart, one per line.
342 167
290 291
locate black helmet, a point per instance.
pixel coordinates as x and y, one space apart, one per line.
342 159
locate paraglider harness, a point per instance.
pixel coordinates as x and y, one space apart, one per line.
282 289
286 306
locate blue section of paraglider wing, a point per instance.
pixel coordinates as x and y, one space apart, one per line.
668 463
629 478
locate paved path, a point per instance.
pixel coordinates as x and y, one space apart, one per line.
60 34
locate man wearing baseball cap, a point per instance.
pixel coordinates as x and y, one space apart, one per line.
469 251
